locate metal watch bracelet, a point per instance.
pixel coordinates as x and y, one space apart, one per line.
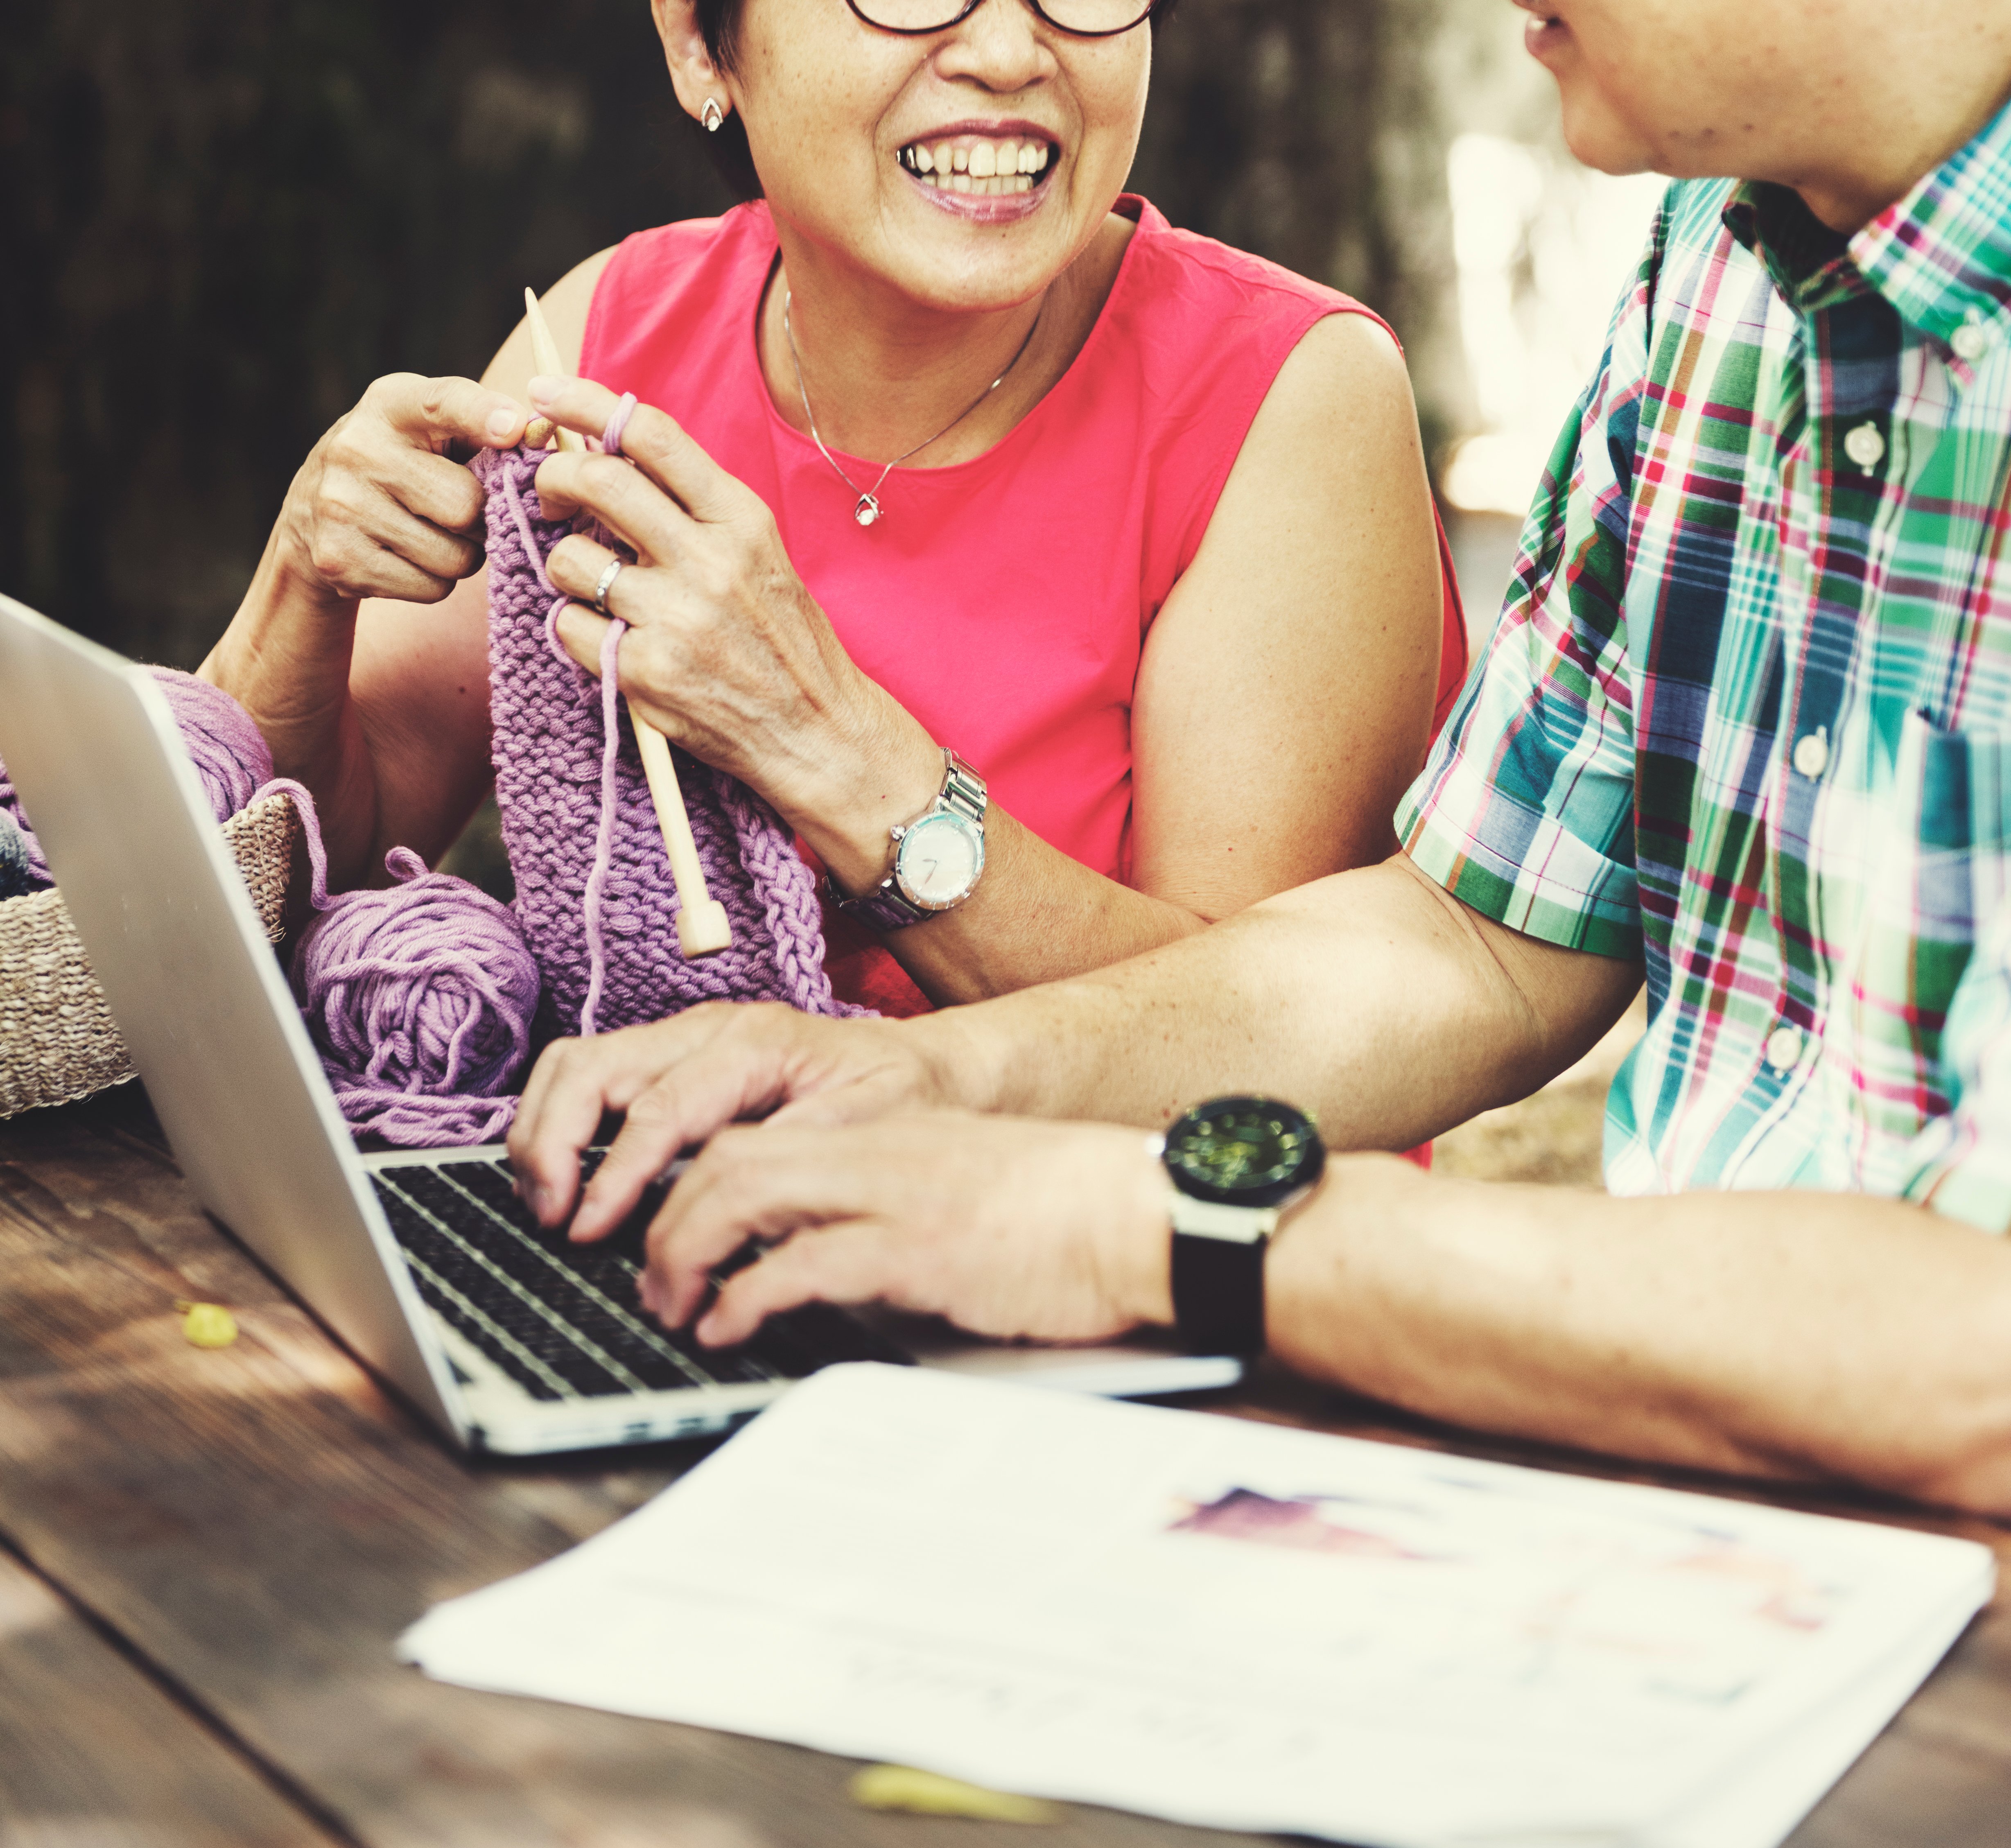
886 907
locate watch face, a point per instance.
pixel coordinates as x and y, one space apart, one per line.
1244 1151
940 859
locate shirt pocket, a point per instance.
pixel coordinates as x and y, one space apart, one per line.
1938 870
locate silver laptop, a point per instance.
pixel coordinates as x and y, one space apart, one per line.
508 1339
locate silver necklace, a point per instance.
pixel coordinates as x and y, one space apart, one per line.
869 508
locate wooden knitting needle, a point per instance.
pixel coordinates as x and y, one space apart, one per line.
703 928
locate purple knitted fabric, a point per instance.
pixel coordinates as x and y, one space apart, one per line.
593 873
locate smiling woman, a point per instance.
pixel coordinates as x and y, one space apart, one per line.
1066 581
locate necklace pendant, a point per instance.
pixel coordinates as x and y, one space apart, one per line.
867 510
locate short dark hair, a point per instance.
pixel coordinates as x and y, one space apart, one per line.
727 146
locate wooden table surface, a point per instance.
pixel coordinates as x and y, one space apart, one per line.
204 1556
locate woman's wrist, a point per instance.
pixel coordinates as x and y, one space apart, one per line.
288 611
285 659
883 773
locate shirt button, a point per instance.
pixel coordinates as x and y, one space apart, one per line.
1865 447
1812 753
1969 341
1784 1047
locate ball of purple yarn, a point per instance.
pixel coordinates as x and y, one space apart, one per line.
231 758
231 755
420 998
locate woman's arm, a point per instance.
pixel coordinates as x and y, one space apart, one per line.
1283 702
361 648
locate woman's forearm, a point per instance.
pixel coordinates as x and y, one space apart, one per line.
1038 916
286 658
387 730
862 765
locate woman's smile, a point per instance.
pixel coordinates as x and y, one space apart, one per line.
986 171
1013 136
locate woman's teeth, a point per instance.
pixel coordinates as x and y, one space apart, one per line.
981 167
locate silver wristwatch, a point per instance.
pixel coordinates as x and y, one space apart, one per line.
938 857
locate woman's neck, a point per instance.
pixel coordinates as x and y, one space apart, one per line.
882 373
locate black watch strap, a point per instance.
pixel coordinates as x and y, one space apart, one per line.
1218 1276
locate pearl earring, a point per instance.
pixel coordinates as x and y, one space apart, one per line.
712 115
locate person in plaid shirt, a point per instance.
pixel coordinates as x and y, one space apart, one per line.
1744 732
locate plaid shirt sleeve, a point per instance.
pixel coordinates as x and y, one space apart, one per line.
1524 809
1961 1161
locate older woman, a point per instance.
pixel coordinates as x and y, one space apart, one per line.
948 446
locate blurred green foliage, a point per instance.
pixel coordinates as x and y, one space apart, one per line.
220 219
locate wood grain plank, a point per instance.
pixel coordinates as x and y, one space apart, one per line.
261 1520
91 1749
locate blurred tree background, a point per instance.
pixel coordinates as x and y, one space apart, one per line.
220 219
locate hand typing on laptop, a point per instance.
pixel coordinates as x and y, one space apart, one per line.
1007 1227
675 1082
1004 1227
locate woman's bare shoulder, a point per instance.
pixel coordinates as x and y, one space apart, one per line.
1348 355
565 303
1345 378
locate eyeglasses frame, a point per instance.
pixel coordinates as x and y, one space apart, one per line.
971 6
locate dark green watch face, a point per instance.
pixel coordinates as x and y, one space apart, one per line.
1246 1151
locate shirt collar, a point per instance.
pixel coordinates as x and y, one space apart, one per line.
1940 255
1809 263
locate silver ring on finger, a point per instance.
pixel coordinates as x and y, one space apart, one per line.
609 574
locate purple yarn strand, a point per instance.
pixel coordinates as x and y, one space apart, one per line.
617 424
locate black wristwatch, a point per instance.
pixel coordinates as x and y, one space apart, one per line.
1236 1164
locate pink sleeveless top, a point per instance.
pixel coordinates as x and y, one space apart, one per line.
1003 601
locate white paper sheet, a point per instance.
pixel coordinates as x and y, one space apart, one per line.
1234 1624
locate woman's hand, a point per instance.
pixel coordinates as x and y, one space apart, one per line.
728 654
382 712
379 508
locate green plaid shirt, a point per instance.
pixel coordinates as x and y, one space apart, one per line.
1747 714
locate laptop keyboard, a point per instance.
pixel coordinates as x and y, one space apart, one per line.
563 1320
